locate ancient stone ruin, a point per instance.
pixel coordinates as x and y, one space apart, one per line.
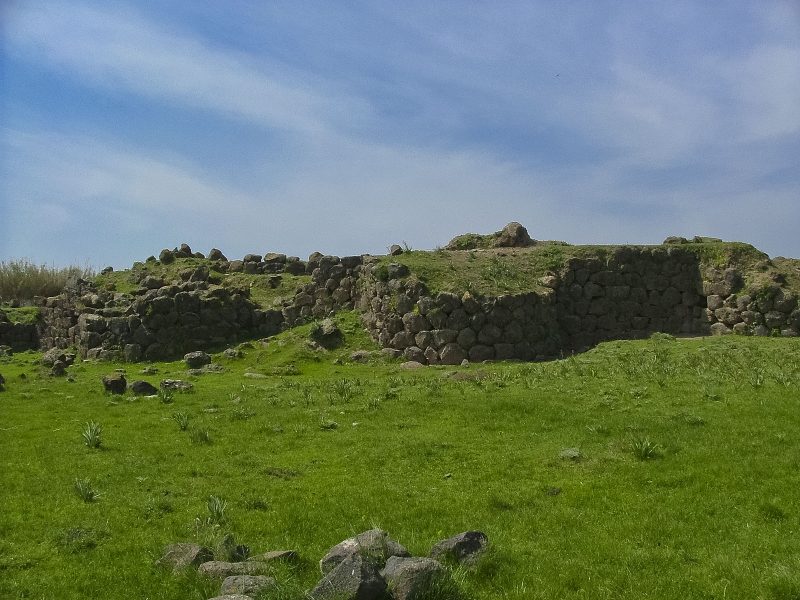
609 293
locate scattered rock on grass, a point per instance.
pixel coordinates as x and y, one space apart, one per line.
246 584
115 383
57 354
59 369
2 383
195 360
412 578
176 384
143 388
274 555
355 578
179 556
411 364
465 548
219 568
573 454
327 334
374 544
254 375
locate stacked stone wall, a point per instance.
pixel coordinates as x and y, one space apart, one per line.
18 336
628 292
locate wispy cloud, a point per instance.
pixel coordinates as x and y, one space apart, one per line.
584 123
119 50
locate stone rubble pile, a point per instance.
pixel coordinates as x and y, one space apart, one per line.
368 566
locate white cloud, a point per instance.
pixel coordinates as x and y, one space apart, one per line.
118 50
766 84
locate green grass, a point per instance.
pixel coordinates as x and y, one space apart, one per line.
497 271
424 454
21 279
487 272
23 314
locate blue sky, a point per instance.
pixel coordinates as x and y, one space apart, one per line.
127 127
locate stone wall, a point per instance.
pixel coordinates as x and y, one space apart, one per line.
18 336
627 292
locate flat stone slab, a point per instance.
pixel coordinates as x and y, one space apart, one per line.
274 555
218 568
247 584
182 555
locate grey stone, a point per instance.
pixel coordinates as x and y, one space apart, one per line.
216 254
431 355
132 352
222 569
466 338
57 354
354 578
415 323
714 302
397 271
452 354
374 544
327 334
411 364
573 454
415 353
182 555
774 319
513 235
719 329
480 353
176 384
413 578
166 256
197 359
115 383
58 369
395 250
402 340
465 548
442 337
143 388
275 555
247 584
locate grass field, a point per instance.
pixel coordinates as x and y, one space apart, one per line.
687 483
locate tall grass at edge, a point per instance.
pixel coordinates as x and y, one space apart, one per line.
21 279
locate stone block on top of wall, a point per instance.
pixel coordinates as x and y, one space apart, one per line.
350 262
470 304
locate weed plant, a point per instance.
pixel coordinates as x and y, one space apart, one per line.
85 490
92 433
